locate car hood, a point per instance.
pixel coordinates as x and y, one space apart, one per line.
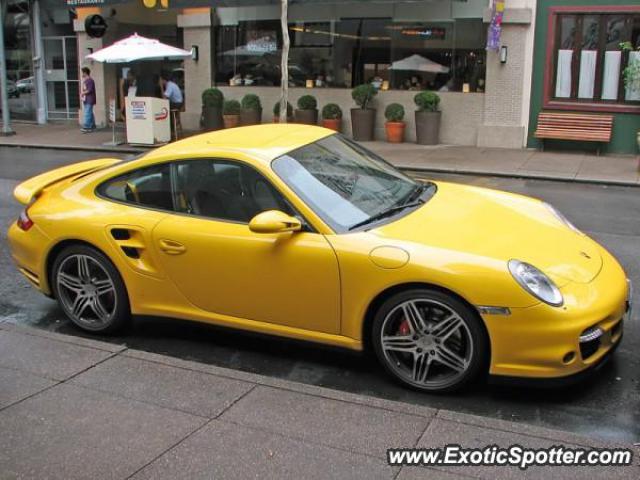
501 226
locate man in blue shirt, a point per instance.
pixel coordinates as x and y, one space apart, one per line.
171 92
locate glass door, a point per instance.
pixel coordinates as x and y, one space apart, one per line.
61 76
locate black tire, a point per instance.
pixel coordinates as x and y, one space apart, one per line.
472 336
119 315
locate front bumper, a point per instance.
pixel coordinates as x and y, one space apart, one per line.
544 342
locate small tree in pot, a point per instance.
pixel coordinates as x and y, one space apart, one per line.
231 113
307 111
332 116
212 99
251 110
427 118
363 119
394 127
276 112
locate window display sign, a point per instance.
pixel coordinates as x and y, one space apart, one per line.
428 33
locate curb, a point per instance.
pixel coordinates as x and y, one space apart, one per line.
87 148
412 169
523 176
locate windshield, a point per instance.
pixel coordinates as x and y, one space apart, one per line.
345 184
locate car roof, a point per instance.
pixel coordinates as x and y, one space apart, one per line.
262 142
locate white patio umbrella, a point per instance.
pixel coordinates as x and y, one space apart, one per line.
136 48
418 63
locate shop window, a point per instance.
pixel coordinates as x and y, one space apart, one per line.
439 55
586 61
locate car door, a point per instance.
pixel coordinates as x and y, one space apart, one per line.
221 266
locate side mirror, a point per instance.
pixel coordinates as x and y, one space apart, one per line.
274 221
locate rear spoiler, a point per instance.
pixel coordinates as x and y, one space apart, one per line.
28 190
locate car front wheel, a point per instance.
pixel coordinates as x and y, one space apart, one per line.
430 340
90 290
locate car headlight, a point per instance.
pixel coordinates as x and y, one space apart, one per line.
556 213
536 283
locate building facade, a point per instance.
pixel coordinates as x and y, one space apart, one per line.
578 65
402 46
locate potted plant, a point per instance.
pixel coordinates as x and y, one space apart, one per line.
307 111
394 127
231 113
363 119
250 110
212 99
332 116
276 112
631 74
427 118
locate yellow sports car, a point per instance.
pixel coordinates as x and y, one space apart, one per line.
297 231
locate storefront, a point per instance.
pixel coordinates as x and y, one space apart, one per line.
401 46
59 63
579 63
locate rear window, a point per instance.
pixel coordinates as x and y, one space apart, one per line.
147 187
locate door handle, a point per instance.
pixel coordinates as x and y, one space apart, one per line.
171 247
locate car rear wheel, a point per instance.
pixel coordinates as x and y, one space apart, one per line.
430 340
90 290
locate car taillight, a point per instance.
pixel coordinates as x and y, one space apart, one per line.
24 222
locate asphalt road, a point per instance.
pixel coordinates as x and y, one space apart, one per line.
606 406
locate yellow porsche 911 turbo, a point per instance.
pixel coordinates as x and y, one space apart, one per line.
296 231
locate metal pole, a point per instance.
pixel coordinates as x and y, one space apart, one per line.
4 95
38 65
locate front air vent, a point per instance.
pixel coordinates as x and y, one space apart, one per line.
120 234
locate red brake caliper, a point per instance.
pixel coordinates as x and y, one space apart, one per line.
404 329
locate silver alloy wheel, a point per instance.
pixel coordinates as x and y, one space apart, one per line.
426 343
86 291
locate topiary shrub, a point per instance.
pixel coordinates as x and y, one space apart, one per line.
276 109
212 98
427 101
394 112
363 94
251 101
331 111
231 107
307 102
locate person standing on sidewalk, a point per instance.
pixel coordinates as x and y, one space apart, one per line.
88 96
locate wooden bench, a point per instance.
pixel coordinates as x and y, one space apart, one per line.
587 127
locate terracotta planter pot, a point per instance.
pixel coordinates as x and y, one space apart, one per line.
363 122
211 118
332 123
395 132
231 121
307 117
428 127
250 117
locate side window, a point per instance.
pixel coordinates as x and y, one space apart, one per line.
148 187
225 190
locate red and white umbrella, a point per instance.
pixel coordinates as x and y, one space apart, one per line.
136 48
418 63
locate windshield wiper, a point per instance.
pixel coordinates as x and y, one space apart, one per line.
415 193
385 213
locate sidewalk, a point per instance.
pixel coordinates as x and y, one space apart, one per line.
77 408
582 167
